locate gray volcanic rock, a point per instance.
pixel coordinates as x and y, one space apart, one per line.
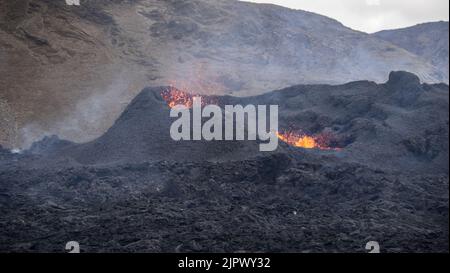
48 145
134 190
429 41
267 204
405 88
71 70
142 133
3 151
401 125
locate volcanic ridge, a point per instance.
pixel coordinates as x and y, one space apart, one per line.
356 162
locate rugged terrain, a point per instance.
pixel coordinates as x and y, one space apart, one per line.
428 41
71 70
401 124
135 190
265 204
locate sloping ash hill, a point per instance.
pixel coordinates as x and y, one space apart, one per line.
429 41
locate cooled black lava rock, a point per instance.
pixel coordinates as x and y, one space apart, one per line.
142 133
379 125
403 79
266 204
4 152
48 145
135 190
406 88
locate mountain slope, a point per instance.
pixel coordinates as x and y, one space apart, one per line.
71 70
430 41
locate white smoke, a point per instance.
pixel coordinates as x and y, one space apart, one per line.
90 118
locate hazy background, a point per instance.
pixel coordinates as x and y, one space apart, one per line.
373 15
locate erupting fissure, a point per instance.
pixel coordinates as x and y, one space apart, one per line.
301 140
174 97
189 125
295 138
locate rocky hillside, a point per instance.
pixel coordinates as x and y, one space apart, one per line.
71 70
428 41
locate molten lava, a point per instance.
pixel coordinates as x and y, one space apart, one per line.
301 140
175 97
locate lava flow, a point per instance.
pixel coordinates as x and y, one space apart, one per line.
304 141
175 97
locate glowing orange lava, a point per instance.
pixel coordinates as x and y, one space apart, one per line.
305 141
175 97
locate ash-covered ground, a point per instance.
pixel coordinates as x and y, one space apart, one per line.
136 190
